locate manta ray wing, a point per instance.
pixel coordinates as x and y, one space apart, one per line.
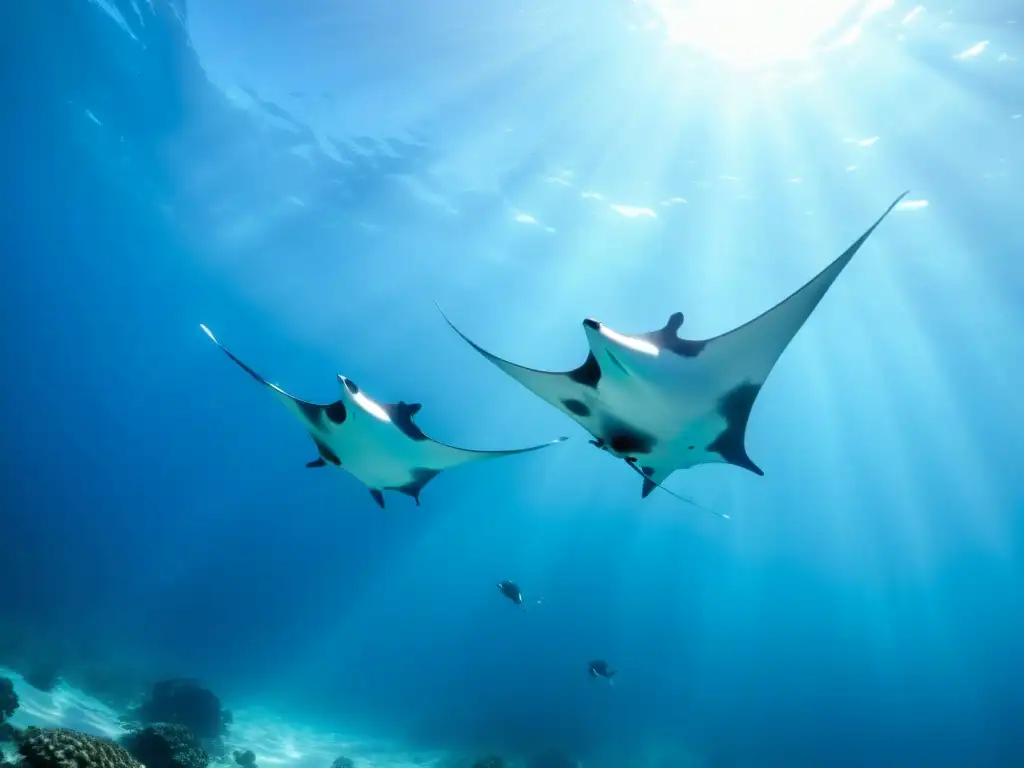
312 415
566 390
748 353
433 457
439 455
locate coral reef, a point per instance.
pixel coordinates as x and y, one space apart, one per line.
165 745
65 748
185 702
8 698
343 762
246 759
491 761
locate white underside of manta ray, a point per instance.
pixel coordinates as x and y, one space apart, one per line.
378 443
664 403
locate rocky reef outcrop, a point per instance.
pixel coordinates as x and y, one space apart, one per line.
187 703
165 745
8 699
43 676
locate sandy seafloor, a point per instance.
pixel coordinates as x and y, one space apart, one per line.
275 742
278 743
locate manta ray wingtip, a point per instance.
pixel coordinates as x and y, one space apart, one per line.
745 462
898 200
448 320
208 332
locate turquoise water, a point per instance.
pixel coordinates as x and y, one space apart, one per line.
308 179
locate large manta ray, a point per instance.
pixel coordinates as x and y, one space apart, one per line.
378 443
664 403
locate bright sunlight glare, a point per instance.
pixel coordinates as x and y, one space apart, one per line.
755 33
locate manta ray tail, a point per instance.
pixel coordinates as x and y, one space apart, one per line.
650 485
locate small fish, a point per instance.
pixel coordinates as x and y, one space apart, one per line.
599 668
511 590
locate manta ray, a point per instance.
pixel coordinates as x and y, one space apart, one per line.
377 443
661 402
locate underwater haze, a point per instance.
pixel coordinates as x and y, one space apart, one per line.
307 178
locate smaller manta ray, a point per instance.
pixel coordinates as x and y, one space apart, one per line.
511 590
599 668
377 443
663 403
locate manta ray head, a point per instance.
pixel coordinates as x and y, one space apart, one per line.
618 353
354 396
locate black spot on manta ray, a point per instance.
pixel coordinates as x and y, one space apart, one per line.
734 407
628 440
588 374
336 412
351 386
401 414
668 338
576 407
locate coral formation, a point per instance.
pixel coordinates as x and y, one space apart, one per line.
246 759
343 762
185 702
65 748
8 698
165 745
491 761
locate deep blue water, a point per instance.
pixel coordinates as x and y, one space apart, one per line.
307 178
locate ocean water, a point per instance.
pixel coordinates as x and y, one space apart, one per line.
308 178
